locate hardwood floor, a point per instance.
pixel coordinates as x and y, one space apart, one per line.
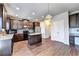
46 48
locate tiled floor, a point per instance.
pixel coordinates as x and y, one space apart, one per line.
47 48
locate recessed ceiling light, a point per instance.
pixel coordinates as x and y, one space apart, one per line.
16 15
17 8
42 16
33 13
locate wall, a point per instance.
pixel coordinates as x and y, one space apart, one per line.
45 30
42 29
60 28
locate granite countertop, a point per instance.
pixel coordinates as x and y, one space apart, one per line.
34 33
6 37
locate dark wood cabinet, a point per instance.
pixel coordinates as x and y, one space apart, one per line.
18 37
34 39
74 21
77 20
72 40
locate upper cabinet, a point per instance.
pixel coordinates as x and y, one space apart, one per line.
77 20
74 21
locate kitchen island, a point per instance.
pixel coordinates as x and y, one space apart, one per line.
34 38
6 45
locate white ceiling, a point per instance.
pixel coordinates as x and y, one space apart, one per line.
40 9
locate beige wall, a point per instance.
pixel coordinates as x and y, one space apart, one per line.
45 29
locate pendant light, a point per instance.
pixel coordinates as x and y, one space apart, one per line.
48 18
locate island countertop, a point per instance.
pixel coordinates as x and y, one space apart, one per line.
34 33
6 37
6 45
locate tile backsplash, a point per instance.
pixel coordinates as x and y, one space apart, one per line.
74 30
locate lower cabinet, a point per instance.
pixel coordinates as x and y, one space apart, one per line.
18 37
72 40
6 47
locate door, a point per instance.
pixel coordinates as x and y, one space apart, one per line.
59 30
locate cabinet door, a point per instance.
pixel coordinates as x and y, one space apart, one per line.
73 21
77 20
